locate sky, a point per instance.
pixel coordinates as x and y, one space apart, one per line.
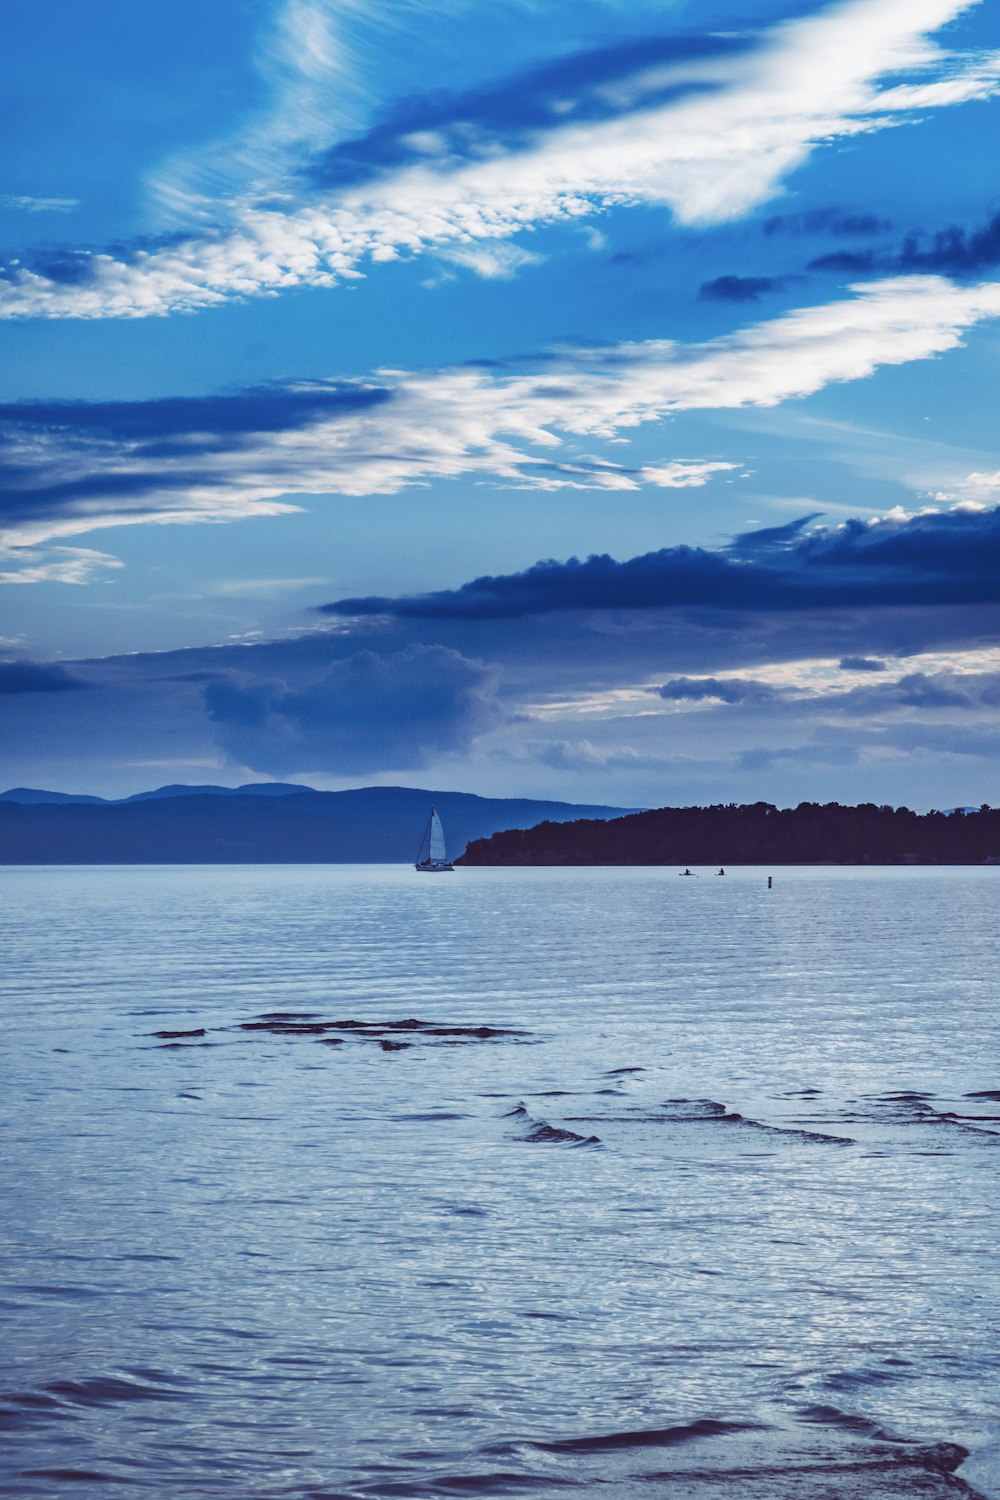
590 400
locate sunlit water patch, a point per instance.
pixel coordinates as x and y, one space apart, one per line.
345 1182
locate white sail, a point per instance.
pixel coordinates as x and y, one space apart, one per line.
436 851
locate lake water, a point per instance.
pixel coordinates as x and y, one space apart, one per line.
682 1187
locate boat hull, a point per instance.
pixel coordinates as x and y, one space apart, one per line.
433 866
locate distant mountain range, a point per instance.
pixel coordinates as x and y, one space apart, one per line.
31 796
263 823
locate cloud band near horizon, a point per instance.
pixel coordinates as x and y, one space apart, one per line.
74 467
934 558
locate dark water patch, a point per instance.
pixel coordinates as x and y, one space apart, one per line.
432 1116
697 1108
171 1036
852 1380
79 1476
654 1437
498 1482
708 1111
928 1473
940 1458
290 1028
787 1130
22 1410
387 1034
541 1133
43 1289
713 1459
831 1416
287 1015
983 1094
108 1390
473 1033
911 1108
615 1072
180 1046
674 1111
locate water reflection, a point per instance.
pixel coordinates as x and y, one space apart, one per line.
668 1178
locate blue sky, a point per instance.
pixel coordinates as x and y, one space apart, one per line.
327 324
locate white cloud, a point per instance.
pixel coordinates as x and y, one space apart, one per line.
683 474
315 91
976 491
583 755
515 428
55 565
710 155
30 204
493 262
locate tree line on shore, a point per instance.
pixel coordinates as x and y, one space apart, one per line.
757 833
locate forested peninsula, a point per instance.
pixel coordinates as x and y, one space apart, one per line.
754 834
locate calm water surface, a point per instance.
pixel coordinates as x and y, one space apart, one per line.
709 1209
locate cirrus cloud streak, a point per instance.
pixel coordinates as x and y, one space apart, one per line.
73 467
710 137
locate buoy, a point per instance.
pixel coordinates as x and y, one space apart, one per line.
769 882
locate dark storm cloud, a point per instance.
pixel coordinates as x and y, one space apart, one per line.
56 456
832 222
21 503
511 113
950 252
259 409
861 664
968 692
942 558
739 288
722 690
368 712
36 677
827 221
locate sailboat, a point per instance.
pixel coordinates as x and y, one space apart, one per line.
431 855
